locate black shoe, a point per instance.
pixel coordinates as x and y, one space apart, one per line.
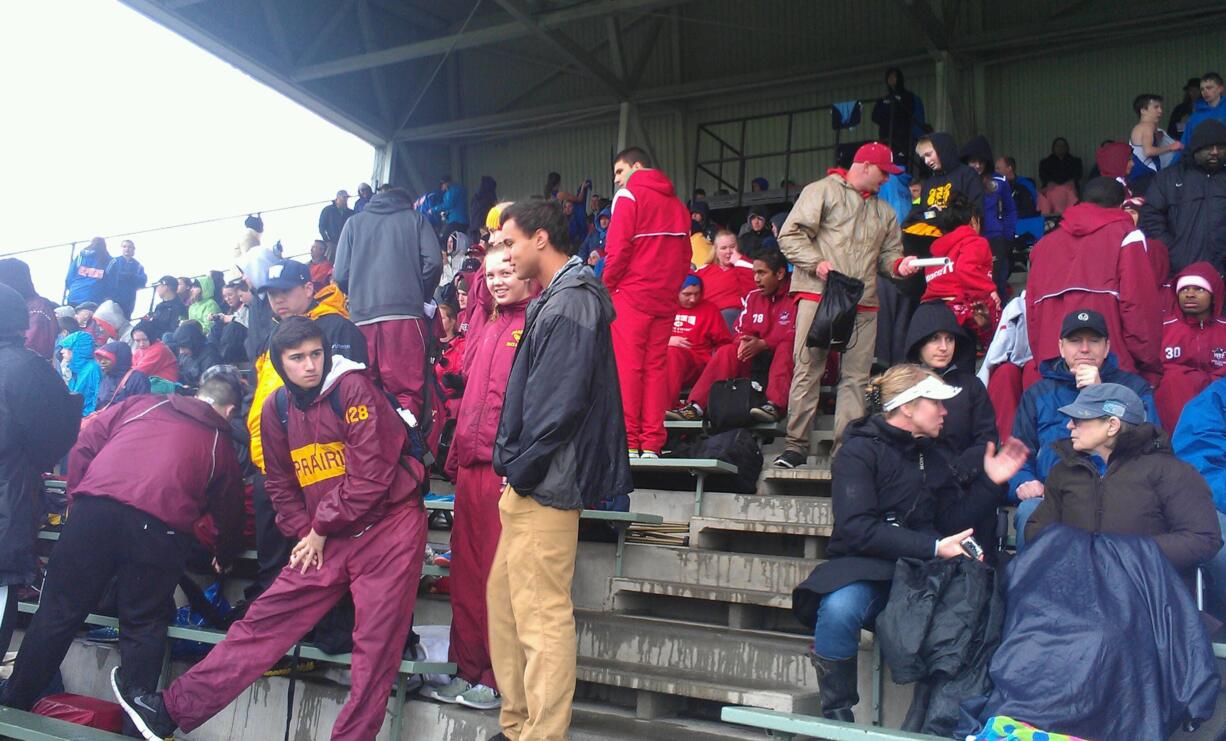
791 459
768 413
836 683
146 710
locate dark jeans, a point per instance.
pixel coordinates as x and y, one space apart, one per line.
103 539
272 548
843 613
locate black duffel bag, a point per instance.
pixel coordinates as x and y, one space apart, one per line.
730 401
835 320
737 447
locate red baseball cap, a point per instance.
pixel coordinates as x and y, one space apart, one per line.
876 153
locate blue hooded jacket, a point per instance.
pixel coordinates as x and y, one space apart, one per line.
1200 438
85 372
455 204
595 239
86 279
1201 112
1039 422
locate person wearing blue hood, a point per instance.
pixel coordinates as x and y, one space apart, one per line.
86 279
594 242
81 372
119 379
454 208
1209 107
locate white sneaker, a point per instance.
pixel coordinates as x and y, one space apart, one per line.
634 455
449 692
648 455
481 698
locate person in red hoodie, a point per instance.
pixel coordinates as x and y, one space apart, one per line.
698 330
139 478
727 280
965 281
1096 260
341 485
647 256
764 335
1193 341
494 336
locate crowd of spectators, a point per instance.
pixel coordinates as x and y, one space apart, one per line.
594 320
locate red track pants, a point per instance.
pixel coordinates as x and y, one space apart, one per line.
640 344
474 541
397 349
725 365
381 569
683 370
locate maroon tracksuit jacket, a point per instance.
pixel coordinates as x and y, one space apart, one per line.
1193 350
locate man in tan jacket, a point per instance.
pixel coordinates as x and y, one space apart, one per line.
839 224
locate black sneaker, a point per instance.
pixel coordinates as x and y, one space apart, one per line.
790 459
767 413
146 710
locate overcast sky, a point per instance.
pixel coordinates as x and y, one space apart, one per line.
114 124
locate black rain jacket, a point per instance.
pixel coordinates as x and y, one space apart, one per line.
1185 207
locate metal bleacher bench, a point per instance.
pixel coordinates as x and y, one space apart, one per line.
619 521
699 468
788 725
25 726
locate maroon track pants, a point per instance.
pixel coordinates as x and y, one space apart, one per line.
474 541
381 568
397 349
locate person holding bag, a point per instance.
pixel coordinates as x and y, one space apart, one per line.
895 496
838 224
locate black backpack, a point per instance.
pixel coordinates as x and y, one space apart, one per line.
730 401
737 447
835 320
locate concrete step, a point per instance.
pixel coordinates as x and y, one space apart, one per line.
676 507
668 687
756 536
656 587
716 568
813 480
716 653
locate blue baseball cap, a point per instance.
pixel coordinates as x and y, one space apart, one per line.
1106 400
286 274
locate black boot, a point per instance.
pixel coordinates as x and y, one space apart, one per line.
837 682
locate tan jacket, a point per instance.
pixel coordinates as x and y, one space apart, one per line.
832 221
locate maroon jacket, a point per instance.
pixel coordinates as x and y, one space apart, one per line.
171 457
771 318
492 343
336 474
1193 350
1096 259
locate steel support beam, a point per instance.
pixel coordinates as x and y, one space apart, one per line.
473 38
324 35
377 82
566 47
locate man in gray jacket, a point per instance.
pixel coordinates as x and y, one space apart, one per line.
389 262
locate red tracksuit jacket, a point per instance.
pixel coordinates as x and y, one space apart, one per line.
336 474
491 351
704 327
1193 351
771 318
1096 259
726 287
647 249
969 278
168 456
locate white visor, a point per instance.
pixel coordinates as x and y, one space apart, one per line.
929 388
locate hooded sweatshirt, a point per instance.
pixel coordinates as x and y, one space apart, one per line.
109 390
84 372
1193 350
86 276
595 240
490 348
705 329
1096 259
953 176
999 209
203 310
388 261
157 359
969 276
971 420
1201 112
336 475
648 249
42 330
195 354
899 115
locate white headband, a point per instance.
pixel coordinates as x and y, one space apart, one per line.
929 388
1193 280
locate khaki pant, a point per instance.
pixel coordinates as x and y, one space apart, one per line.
531 618
857 362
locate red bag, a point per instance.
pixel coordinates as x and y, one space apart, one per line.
82 710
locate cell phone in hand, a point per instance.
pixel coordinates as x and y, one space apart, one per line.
972 548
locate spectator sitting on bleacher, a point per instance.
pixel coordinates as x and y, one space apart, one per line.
490 350
342 488
140 477
150 355
79 369
1117 474
120 380
165 317
761 345
195 354
1085 360
1200 439
229 334
894 496
1022 189
725 282
1193 341
964 282
756 229
594 241
1096 260
698 332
